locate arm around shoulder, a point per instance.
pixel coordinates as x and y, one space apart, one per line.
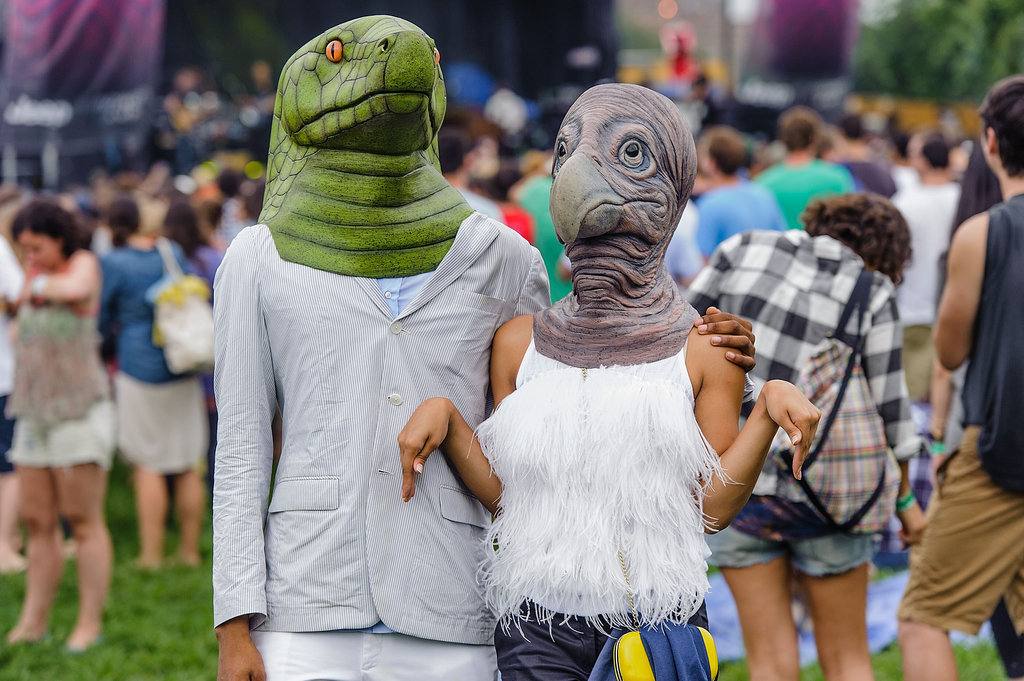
719 387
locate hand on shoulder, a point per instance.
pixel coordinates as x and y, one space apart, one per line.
709 365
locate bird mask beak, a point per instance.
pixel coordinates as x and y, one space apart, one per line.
583 204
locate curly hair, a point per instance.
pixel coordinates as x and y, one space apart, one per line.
44 216
867 223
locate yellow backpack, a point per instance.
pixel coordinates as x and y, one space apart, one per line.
632 664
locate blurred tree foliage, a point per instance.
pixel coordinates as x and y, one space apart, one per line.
941 49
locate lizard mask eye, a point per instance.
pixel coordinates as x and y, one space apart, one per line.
334 51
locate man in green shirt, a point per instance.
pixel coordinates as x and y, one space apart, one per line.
534 197
802 177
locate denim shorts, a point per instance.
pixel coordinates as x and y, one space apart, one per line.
829 555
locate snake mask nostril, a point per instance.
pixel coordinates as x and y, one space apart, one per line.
387 69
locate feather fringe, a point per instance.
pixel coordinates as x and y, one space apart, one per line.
589 468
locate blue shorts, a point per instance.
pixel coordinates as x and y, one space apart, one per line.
829 555
6 437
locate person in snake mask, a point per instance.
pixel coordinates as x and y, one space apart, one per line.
368 286
615 443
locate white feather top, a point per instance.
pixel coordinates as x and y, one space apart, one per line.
592 463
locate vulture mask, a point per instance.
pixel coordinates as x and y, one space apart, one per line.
624 167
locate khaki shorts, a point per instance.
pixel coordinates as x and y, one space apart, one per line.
973 550
918 356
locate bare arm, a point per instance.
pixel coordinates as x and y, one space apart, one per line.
729 331
718 385
912 519
962 294
941 398
437 423
80 283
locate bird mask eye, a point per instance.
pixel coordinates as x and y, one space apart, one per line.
631 153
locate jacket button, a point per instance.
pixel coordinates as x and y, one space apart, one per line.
396 327
395 399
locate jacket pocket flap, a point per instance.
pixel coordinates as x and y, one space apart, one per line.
306 494
460 507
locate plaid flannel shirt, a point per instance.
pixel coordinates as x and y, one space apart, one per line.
793 287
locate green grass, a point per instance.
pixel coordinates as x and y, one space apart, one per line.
978 663
158 625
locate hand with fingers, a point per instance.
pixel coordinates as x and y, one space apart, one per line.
425 431
795 414
238 659
729 331
913 524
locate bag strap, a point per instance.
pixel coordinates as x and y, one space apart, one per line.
171 266
859 300
846 527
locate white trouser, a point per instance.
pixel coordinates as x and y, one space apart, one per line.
355 656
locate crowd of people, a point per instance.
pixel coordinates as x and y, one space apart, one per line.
779 234
90 379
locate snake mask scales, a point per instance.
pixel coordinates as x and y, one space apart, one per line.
353 182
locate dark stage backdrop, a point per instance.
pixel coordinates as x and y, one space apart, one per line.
530 45
77 85
800 53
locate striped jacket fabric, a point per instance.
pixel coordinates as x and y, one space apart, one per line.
335 547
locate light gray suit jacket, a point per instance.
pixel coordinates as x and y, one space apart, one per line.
337 548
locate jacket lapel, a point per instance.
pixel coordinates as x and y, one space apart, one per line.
474 236
372 289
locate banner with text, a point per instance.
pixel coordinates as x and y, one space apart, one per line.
79 78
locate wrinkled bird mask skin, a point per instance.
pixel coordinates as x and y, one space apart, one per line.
625 162
624 167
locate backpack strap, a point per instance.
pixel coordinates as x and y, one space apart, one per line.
858 302
851 523
171 266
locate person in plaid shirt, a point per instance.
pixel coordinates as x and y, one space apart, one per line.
793 286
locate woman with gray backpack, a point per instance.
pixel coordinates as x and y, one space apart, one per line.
823 306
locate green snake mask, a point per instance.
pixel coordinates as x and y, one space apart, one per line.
353 182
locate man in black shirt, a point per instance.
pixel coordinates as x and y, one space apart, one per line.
972 553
